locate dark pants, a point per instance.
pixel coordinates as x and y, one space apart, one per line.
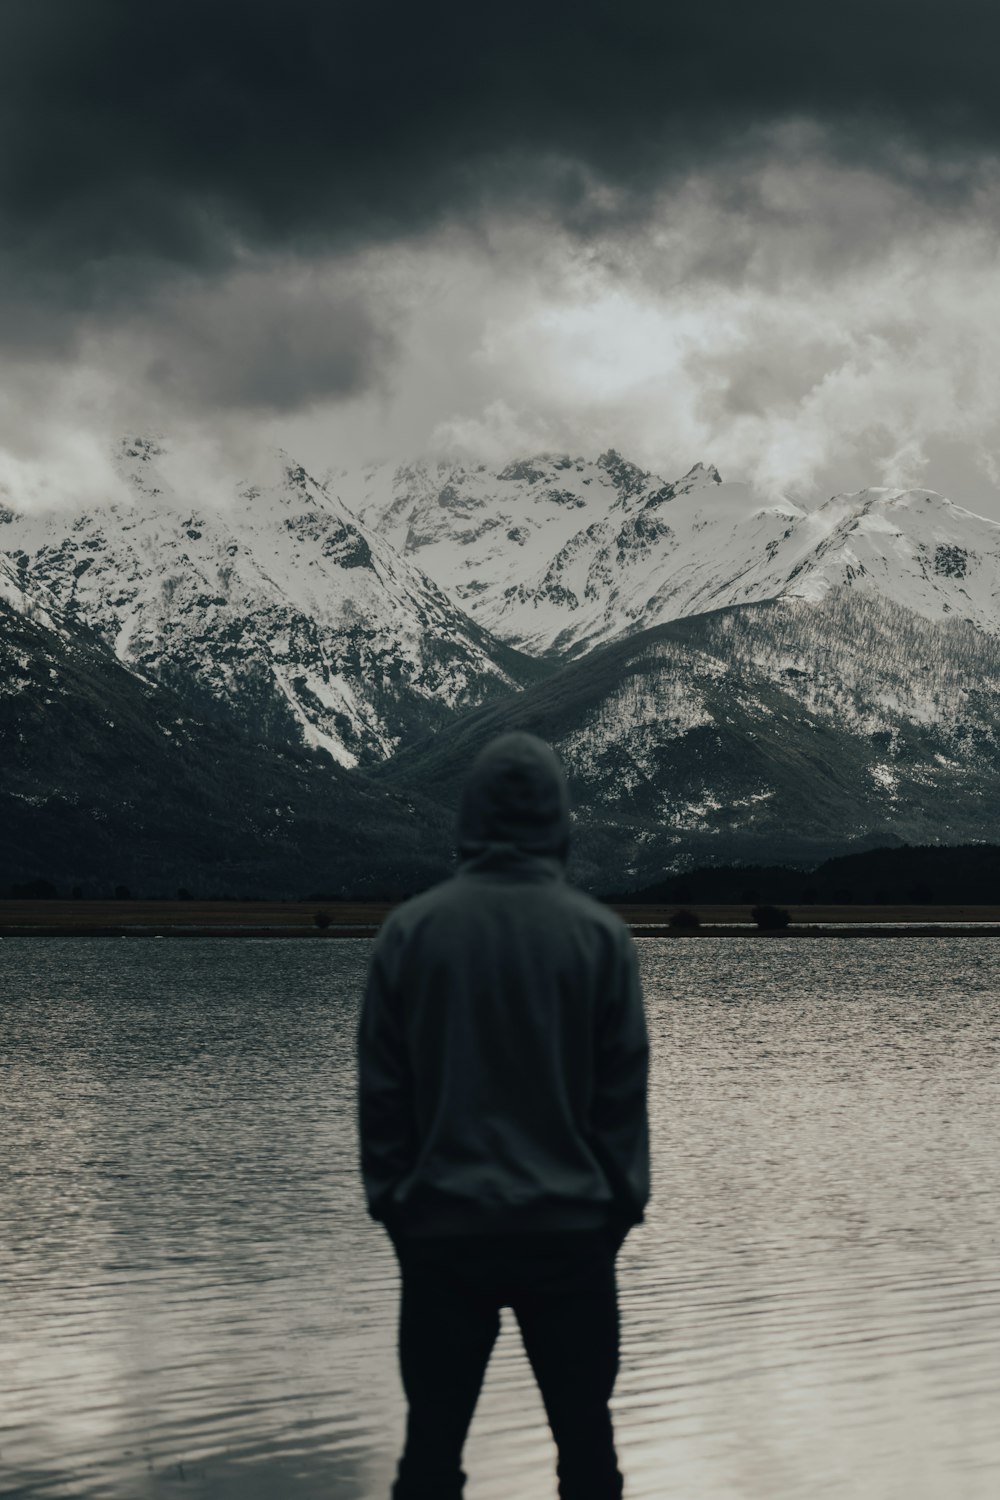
562 1291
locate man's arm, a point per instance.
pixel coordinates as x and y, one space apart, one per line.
619 1118
385 1095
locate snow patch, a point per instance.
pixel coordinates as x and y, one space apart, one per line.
885 777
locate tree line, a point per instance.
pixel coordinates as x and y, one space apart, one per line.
908 875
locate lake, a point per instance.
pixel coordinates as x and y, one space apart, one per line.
193 1301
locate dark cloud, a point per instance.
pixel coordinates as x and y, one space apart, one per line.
263 341
188 189
174 133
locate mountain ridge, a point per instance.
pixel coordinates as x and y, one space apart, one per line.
698 740
622 559
820 677
280 613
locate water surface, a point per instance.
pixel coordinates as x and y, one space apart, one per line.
193 1301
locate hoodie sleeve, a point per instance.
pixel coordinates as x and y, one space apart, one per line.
385 1094
619 1119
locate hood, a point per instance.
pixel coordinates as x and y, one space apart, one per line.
515 794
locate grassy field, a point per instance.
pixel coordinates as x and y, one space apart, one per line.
298 919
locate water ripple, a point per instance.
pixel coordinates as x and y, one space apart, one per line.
194 1302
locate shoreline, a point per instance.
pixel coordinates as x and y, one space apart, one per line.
334 933
211 919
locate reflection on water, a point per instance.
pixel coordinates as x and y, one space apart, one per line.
193 1302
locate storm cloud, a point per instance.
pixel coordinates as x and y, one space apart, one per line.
186 133
751 233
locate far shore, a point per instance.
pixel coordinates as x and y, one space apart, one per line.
279 919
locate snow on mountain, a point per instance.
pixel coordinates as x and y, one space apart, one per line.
514 547
11 590
736 681
106 777
558 555
23 595
781 730
282 612
913 547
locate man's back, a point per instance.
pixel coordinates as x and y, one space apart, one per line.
517 1000
502 1088
503 1048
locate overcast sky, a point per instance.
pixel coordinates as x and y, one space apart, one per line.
762 235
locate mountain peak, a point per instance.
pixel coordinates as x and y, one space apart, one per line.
280 480
275 606
139 449
137 463
702 471
905 510
559 557
627 478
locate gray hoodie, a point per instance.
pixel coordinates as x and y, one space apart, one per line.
502 1045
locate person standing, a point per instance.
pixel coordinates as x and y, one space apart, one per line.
504 1143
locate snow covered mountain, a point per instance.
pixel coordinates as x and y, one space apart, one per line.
281 613
781 730
107 778
558 555
515 547
723 680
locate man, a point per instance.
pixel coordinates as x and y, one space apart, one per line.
504 1139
